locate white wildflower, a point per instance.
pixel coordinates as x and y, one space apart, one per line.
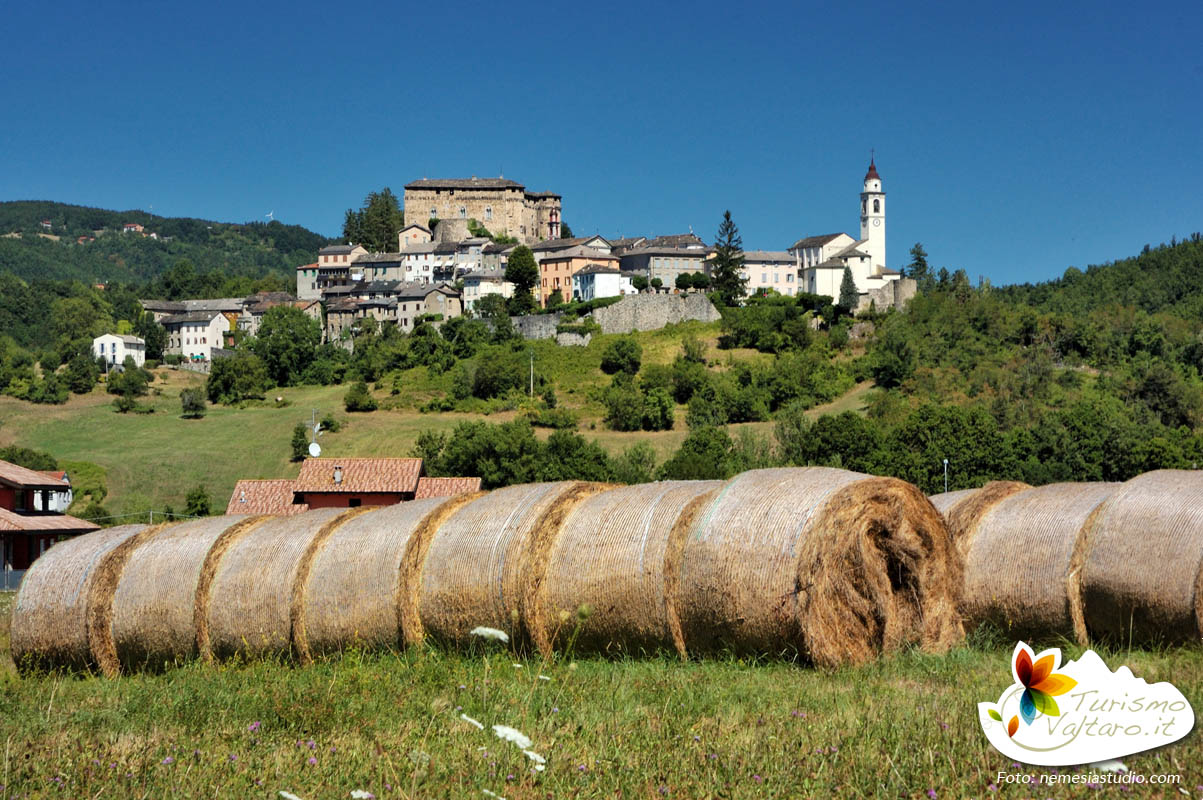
535 757
511 735
289 795
1110 765
471 721
517 666
360 794
544 678
490 633
487 793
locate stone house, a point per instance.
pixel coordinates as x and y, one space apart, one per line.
775 270
194 334
503 206
665 263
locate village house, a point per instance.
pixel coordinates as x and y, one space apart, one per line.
28 524
114 347
345 483
666 262
59 500
307 282
494 256
230 307
557 268
413 234
258 305
595 281
485 282
194 334
767 270
502 206
132 227
555 247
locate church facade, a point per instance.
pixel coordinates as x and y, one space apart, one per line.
821 260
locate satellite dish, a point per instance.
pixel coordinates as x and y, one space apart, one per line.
315 449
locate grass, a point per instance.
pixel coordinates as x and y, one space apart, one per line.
388 723
150 461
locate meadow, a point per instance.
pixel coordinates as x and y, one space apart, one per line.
390 725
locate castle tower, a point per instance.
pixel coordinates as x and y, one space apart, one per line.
873 219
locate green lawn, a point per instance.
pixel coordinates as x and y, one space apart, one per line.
389 724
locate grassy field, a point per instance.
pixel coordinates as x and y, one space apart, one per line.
149 461
389 724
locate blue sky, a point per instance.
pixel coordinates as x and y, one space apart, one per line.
1014 140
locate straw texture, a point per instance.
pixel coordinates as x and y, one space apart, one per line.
475 567
50 618
153 605
1023 568
966 509
352 595
834 564
944 502
1142 579
614 557
250 601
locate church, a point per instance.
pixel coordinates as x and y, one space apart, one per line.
821 260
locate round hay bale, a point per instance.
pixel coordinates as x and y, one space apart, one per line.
250 599
618 554
154 606
835 565
354 592
964 508
1023 567
481 557
1143 575
50 622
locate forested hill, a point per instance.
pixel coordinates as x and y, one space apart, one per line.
1166 279
106 254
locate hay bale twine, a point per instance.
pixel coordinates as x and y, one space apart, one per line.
964 508
154 606
50 621
618 555
1023 567
1143 575
354 592
480 559
250 604
835 565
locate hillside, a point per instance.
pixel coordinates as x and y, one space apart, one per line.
106 254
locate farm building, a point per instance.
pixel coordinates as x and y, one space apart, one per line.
26 530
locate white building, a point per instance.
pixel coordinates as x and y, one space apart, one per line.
56 501
594 281
775 270
821 260
485 282
114 347
194 334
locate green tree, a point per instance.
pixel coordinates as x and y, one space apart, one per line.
82 373
235 378
153 334
636 464
918 268
287 343
624 404
849 296
376 224
658 410
565 231
622 355
358 398
197 503
727 268
894 357
639 282
300 442
192 403
522 271
706 454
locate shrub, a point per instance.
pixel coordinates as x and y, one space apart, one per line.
300 442
358 398
658 411
197 503
624 406
622 355
329 423
192 403
235 378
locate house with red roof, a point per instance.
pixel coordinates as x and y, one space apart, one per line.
345 483
27 527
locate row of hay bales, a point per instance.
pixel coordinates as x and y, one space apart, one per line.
834 566
1108 561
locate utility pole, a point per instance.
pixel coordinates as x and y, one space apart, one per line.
946 475
532 372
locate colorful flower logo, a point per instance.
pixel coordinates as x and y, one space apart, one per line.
1041 683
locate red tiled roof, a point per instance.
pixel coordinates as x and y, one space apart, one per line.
264 497
360 475
307 266
58 475
445 487
872 173
11 521
27 478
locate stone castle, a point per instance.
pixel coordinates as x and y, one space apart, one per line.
502 206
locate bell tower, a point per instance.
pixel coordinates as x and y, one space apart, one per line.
873 218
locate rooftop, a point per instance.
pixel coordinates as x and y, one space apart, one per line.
564 244
336 250
264 497
464 183
579 251
359 475
816 241
445 487
12 521
14 475
190 316
597 269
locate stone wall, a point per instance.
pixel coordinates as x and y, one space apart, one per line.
573 339
537 326
894 294
649 312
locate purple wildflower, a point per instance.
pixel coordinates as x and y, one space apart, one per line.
233 758
580 767
992 788
312 761
931 793
168 760
312 745
254 726
509 777
758 779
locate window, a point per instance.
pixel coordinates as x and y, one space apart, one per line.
354 502
789 277
463 212
488 212
764 278
876 206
